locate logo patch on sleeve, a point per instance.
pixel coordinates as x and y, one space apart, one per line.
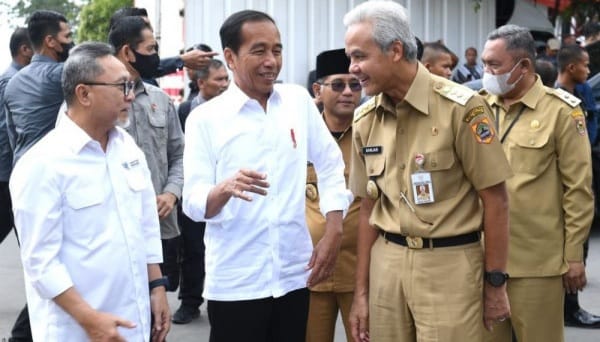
473 113
580 125
482 131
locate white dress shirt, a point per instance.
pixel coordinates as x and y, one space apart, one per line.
86 219
259 249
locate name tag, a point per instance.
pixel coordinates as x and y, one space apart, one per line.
371 150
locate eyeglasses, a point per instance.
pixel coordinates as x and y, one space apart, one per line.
127 86
340 86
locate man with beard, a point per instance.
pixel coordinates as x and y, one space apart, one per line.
155 127
33 97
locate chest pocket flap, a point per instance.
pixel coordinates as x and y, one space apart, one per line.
530 153
439 160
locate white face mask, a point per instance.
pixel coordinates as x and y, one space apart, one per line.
498 84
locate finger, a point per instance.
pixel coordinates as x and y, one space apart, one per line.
257 190
253 174
124 323
364 332
241 195
489 324
354 329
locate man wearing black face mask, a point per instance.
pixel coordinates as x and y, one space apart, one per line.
32 99
155 127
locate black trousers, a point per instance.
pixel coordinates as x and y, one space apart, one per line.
6 216
169 267
191 261
21 331
261 320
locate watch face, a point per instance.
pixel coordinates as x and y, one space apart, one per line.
496 278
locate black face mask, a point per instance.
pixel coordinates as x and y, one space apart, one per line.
146 65
64 54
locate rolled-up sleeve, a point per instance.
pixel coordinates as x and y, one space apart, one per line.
37 205
326 157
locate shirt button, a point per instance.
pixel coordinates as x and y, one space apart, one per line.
401 131
402 166
434 164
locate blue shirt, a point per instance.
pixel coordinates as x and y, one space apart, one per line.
584 92
6 154
33 97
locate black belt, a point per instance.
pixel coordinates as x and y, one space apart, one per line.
418 242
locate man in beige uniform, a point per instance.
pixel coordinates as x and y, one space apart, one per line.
543 134
340 94
420 263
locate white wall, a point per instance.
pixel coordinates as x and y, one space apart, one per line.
308 27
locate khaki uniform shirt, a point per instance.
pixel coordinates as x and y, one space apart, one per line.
155 127
451 127
343 277
551 203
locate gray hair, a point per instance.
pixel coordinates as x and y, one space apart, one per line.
215 64
390 23
518 40
82 66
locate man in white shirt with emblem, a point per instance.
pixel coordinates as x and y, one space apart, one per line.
85 212
244 174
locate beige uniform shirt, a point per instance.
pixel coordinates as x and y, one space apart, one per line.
448 124
551 203
343 277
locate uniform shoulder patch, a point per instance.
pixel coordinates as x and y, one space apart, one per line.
473 113
364 109
565 96
454 92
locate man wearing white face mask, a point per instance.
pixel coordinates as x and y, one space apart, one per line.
543 133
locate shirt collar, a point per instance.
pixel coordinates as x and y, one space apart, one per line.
139 87
42 59
417 95
239 99
16 65
78 138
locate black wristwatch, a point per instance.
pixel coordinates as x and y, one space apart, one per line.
496 278
162 281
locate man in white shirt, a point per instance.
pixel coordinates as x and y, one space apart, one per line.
244 174
85 212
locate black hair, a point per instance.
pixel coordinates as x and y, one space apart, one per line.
201 47
231 30
591 29
127 31
43 23
127 12
19 38
569 54
83 66
547 72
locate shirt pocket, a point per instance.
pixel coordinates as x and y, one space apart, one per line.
82 210
446 175
158 124
375 166
530 153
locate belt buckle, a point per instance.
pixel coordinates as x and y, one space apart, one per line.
414 242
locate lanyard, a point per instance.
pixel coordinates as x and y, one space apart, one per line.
512 123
